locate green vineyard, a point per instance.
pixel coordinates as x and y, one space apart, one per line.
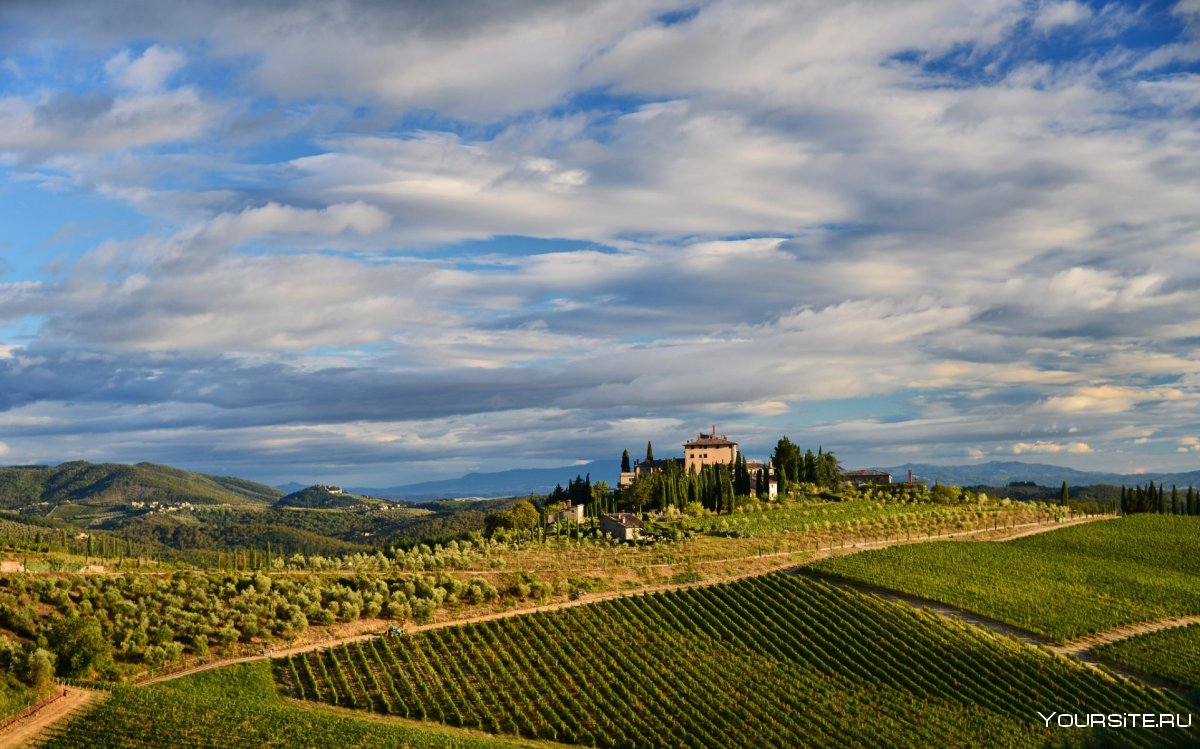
771 661
238 708
1172 655
1062 585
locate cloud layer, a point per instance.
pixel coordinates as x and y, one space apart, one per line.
374 243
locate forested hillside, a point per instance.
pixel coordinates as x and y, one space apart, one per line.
113 483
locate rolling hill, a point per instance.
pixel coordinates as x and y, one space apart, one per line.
100 484
319 497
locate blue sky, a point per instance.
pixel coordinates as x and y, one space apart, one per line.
374 243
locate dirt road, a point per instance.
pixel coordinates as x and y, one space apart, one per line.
26 729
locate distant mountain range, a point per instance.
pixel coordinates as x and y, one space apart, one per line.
1001 473
542 480
511 483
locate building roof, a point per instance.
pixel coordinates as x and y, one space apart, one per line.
864 473
661 462
625 519
709 440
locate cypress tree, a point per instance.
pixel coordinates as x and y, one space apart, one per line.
1174 500
649 451
625 462
1064 496
810 467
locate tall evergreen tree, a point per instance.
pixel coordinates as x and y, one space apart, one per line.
625 462
788 464
1064 496
649 451
827 473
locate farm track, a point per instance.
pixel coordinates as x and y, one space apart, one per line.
24 731
1083 644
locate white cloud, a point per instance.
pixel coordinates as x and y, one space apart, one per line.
1108 399
148 72
1052 15
1049 448
69 123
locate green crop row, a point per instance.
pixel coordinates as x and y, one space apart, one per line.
772 661
1172 655
234 708
1063 585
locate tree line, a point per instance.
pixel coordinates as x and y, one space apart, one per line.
1158 500
792 467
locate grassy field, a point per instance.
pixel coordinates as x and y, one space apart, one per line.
1172 655
771 661
238 706
1062 585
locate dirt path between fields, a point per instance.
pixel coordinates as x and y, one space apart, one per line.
1079 650
1075 647
26 729
928 604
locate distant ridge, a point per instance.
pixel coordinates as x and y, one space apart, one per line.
511 483
117 483
1001 473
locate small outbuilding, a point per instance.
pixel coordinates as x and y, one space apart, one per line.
622 526
566 513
